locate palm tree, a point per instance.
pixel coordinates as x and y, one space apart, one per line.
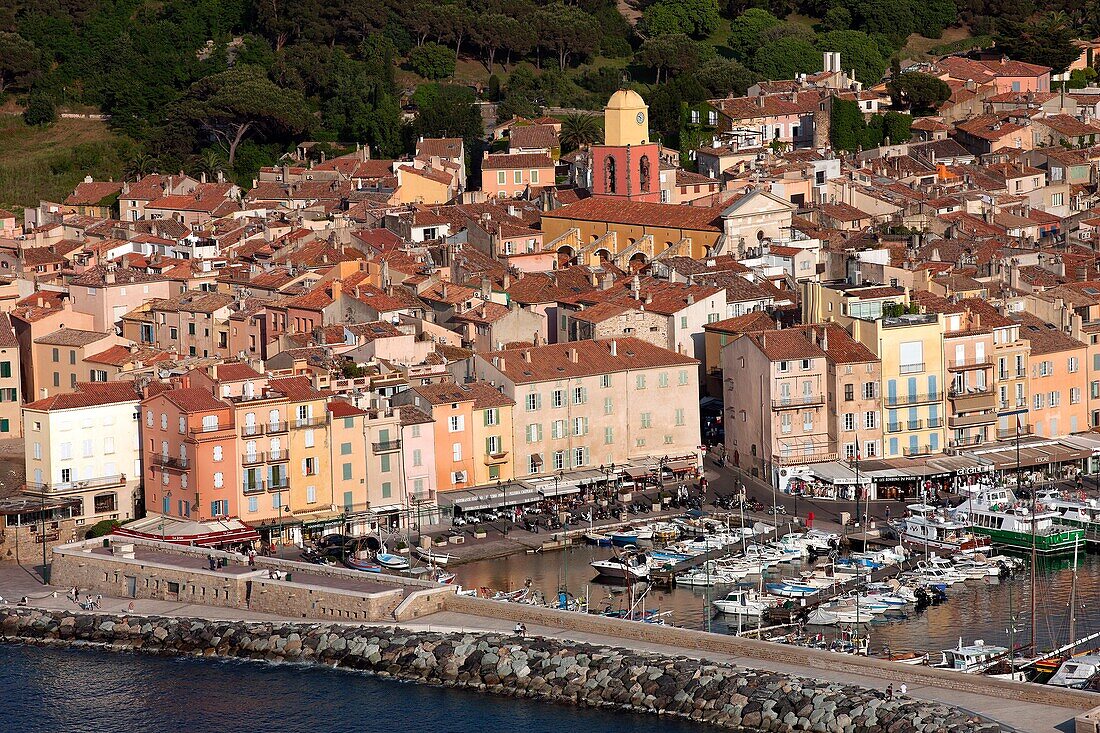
579 129
141 165
211 162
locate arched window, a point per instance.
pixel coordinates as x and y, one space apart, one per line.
609 174
643 173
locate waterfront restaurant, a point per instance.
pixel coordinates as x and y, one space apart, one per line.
1039 460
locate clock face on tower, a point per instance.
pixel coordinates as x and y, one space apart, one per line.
640 118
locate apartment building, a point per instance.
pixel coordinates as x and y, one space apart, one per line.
853 382
418 462
85 446
194 323
591 403
366 462
471 446
59 359
971 396
11 392
108 292
1058 378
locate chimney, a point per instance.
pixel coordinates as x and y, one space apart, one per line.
607 280
636 288
573 356
614 347
827 61
526 354
825 338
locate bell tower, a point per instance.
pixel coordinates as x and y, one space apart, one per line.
628 164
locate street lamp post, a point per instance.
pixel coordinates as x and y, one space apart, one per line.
504 487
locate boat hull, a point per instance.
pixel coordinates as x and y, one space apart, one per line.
1056 543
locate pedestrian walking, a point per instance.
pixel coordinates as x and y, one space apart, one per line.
213 563
889 692
887 512
251 558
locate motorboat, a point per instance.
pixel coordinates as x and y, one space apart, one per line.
976 568
926 527
926 574
709 577
364 564
628 566
664 531
432 557
1077 671
830 614
393 562
814 541
790 552
598 539
787 589
631 536
972 659
744 602
911 658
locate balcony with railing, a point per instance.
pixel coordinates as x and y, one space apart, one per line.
935 422
251 431
307 422
496 457
966 421
787 403
386 446
801 459
914 368
967 441
179 464
276 456
251 459
914 424
977 362
920 450
912 399
275 427
103 482
1010 433
253 487
210 432
893 427
972 399
278 484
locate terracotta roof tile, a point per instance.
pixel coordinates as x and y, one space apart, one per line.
88 394
599 208
554 362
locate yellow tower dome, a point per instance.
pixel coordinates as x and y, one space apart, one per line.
626 119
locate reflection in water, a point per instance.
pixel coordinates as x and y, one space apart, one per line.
974 610
69 691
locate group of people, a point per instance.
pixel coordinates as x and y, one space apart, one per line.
90 603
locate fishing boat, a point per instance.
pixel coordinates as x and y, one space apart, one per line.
830 614
628 566
1008 522
432 557
1077 671
744 602
927 528
911 658
664 531
973 659
359 563
598 539
393 562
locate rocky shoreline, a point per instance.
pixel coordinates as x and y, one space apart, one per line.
722 695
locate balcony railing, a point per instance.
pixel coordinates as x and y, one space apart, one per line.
254 487
492 459
251 459
278 455
804 458
975 363
103 482
276 427
1010 433
250 431
935 422
965 421
913 399
969 440
210 432
386 446
920 450
171 462
281 484
893 427
914 424
911 368
971 391
798 401
307 422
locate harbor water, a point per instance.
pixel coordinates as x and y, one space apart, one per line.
80 691
975 609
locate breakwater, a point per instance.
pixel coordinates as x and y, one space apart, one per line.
726 696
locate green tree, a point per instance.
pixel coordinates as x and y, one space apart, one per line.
785 58
19 60
568 31
895 127
917 91
847 130
432 61
1047 41
490 32
447 110
697 18
579 129
837 18
360 104
40 109
723 77
242 102
452 24
747 29
674 53
857 51
932 16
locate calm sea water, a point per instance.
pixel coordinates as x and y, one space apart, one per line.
88 691
974 610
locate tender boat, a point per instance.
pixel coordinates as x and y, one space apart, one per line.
830 614
631 536
973 659
432 557
393 562
791 590
358 563
1077 671
598 539
628 566
744 602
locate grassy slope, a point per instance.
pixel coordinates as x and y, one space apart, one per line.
39 163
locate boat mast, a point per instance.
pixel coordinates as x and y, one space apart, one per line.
1073 596
1034 620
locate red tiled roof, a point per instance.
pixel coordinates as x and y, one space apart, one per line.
508 161
673 216
88 394
340 408
482 394
92 192
295 388
553 361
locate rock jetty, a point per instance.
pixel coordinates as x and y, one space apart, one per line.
723 695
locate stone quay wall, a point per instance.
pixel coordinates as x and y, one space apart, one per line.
722 695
